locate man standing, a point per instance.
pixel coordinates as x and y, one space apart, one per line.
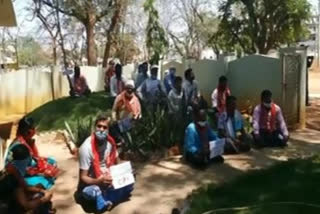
109 73
191 92
220 95
142 75
269 126
151 90
169 79
175 98
97 154
117 82
230 126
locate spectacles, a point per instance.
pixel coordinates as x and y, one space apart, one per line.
102 127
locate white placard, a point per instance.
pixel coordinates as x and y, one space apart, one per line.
216 148
121 175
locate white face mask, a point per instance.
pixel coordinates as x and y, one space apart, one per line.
267 105
202 123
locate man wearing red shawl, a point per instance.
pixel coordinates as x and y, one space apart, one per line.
268 123
220 94
96 155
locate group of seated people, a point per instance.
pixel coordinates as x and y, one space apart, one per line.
26 181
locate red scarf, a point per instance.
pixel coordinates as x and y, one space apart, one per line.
43 167
266 120
110 160
222 97
31 146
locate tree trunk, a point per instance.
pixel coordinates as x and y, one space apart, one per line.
54 51
110 34
91 45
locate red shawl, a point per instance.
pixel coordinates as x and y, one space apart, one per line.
222 97
110 160
266 121
43 167
31 146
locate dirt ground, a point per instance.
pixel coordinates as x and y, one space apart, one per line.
163 185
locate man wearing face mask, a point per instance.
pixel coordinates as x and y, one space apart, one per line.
269 127
198 137
15 193
169 79
96 155
42 171
151 90
126 109
231 127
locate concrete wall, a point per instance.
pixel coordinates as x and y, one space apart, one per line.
26 89
250 75
207 73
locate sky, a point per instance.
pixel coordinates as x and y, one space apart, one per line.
30 27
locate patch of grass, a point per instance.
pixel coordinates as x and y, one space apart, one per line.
51 116
292 181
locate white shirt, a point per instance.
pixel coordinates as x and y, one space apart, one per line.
113 86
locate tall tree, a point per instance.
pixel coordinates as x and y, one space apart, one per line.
261 25
155 35
88 12
48 19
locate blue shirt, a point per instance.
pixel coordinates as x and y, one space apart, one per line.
168 82
192 142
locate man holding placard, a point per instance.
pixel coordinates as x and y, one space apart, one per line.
201 144
102 183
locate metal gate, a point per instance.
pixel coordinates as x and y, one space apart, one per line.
291 68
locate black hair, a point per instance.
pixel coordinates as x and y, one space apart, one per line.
187 72
230 99
118 70
101 117
20 152
223 79
177 79
76 68
25 124
266 93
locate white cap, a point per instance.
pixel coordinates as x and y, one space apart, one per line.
130 83
154 66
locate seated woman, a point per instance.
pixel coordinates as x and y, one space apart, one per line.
269 127
15 196
41 171
95 192
230 125
201 145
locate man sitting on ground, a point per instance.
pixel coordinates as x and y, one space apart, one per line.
220 94
269 127
97 154
126 108
80 86
15 194
230 125
199 141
